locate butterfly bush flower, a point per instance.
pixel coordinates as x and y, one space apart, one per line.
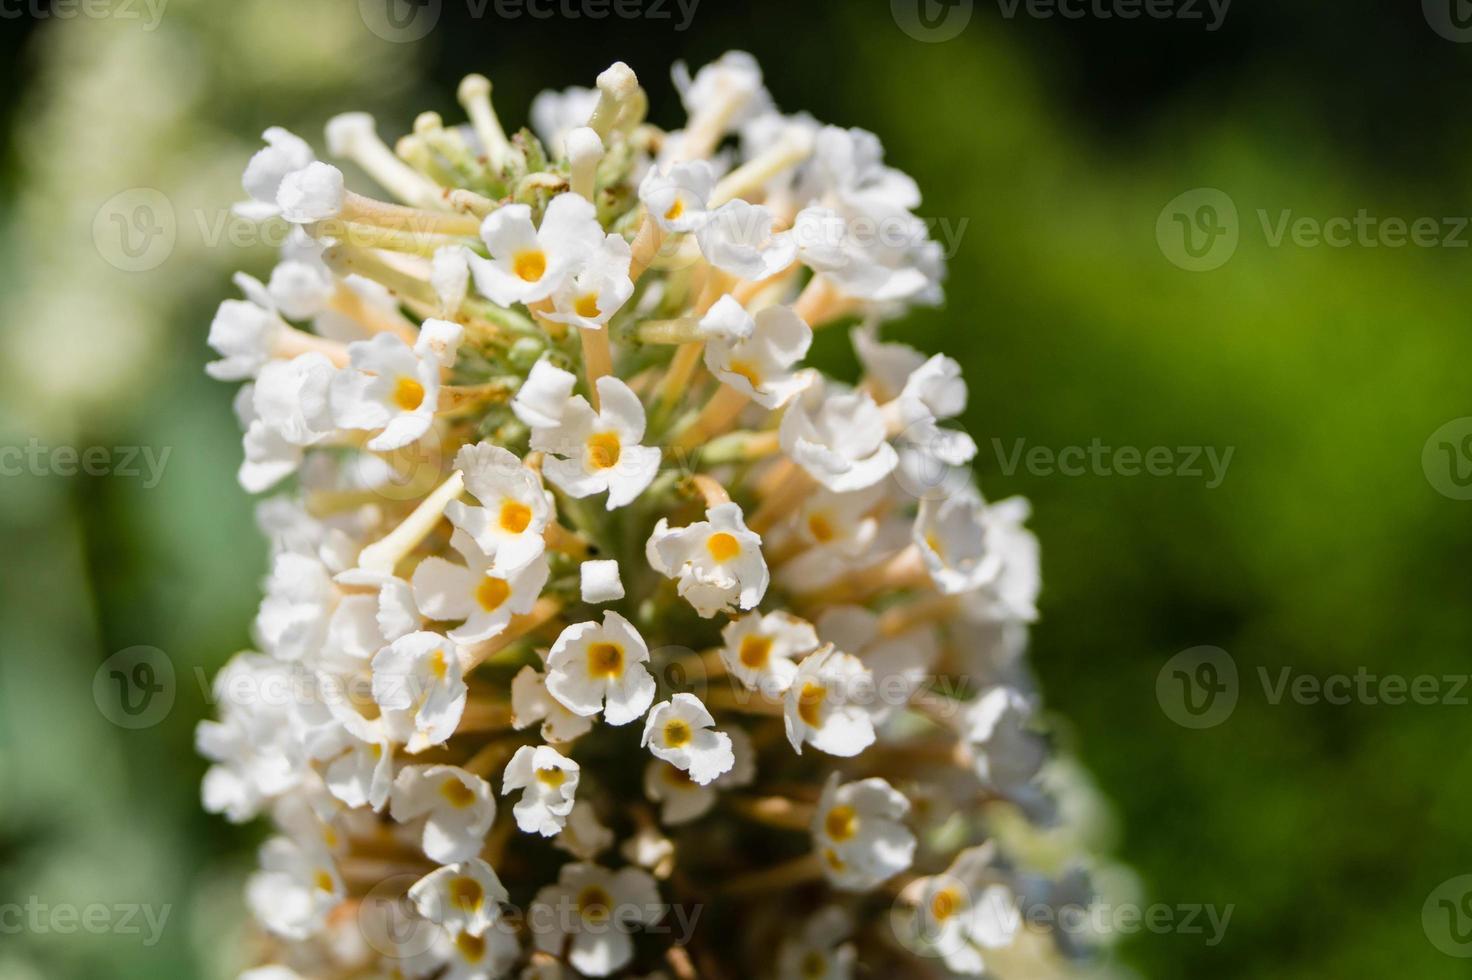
558 511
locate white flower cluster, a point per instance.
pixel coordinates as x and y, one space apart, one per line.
778 673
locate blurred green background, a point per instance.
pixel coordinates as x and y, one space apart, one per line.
1052 146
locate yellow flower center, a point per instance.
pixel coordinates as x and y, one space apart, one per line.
821 528
747 370
457 793
594 904
605 659
492 592
676 209
587 306
834 861
810 704
932 541
515 516
553 777
755 651
604 449
323 880
408 394
466 894
437 665
946 903
842 823
677 734
722 546
472 948
530 265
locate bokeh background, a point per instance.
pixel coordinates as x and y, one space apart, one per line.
1050 150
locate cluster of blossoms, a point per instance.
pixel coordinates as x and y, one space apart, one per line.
571 527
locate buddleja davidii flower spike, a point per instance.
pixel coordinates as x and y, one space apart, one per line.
562 516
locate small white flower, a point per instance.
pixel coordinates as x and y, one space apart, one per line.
1012 595
838 437
363 776
967 911
464 897
681 798
485 957
884 258
590 452
457 806
527 263
842 532
731 85
679 200
650 849
392 388
593 910
952 535
548 781
244 332
531 703
313 193
450 276
511 521
900 664
738 239
761 651
743 767
417 683
601 667
1006 750
820 952
479 596
859 833
599 581
295 889
555 113
718 561
583 836
681 732
544 396
820 708
600 288
755 355
284 178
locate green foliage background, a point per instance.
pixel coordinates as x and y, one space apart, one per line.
1054 145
